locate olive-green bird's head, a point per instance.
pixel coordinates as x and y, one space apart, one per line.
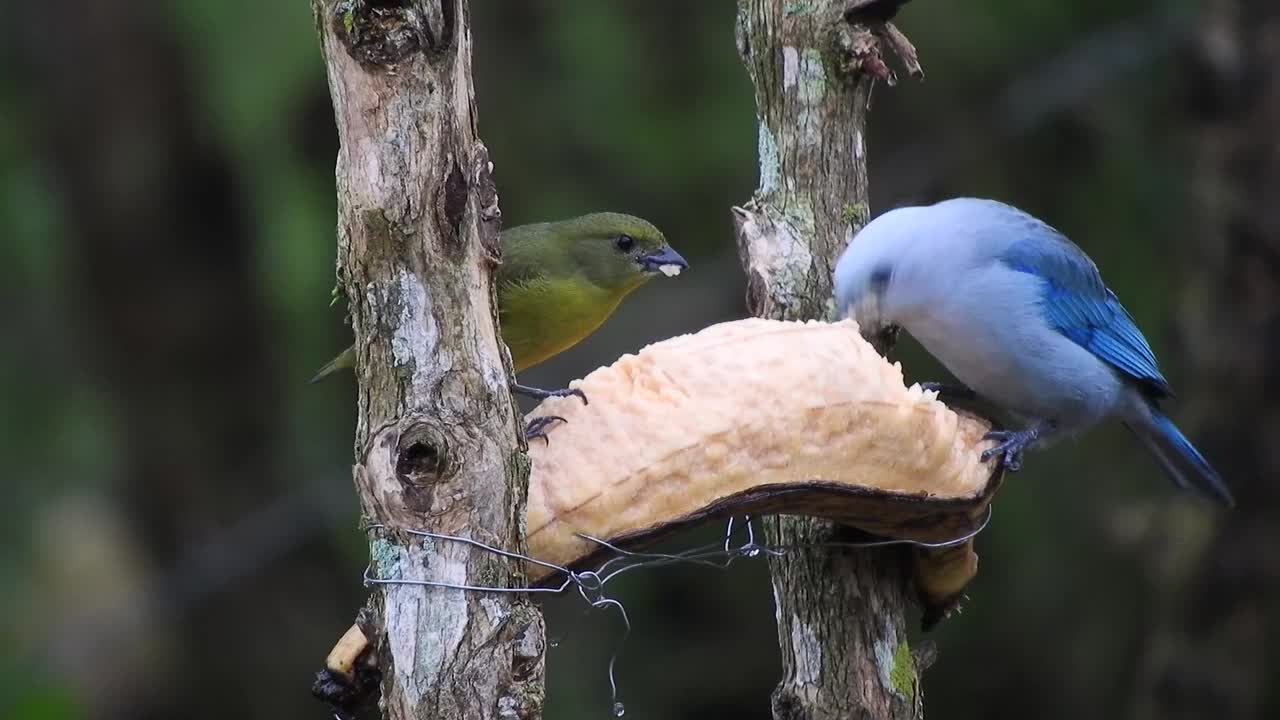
559 281
617 251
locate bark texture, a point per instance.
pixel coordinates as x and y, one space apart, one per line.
840 613
1219 658
437 441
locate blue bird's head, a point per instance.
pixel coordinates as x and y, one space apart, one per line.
869 270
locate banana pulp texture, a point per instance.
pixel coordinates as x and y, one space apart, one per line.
752 416
342 658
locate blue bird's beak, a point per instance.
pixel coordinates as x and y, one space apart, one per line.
665 261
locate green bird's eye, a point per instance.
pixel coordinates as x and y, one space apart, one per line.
625 243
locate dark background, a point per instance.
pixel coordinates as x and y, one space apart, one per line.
179 532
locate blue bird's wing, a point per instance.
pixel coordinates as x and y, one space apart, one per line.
1078 304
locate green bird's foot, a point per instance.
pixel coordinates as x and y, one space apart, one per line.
540 394
537 427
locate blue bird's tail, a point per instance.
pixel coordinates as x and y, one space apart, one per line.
1181 461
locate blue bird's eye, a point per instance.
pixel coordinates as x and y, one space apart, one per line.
624 243
880 279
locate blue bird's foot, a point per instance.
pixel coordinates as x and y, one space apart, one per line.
540 394
1012 444
537 428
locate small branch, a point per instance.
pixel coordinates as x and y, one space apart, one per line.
902 47
871 11
870 29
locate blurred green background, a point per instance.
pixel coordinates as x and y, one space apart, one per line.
179 534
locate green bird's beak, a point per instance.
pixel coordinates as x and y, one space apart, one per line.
665 261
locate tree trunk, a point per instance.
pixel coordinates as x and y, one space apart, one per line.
437 443
1219 659
840 613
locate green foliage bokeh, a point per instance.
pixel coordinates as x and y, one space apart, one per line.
642 108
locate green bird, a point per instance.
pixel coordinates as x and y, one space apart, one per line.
559 281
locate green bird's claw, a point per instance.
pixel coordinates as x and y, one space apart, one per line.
540 394
537 427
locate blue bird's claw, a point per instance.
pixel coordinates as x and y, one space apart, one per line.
540 394
537 428
1012 444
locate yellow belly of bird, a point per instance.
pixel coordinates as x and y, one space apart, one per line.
544 318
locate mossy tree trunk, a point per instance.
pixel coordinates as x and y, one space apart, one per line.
841 626
437 443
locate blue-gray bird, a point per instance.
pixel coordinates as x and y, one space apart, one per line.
1020 315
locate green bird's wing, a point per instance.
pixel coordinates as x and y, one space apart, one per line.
530 252
545 303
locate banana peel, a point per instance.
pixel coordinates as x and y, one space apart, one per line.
759 417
